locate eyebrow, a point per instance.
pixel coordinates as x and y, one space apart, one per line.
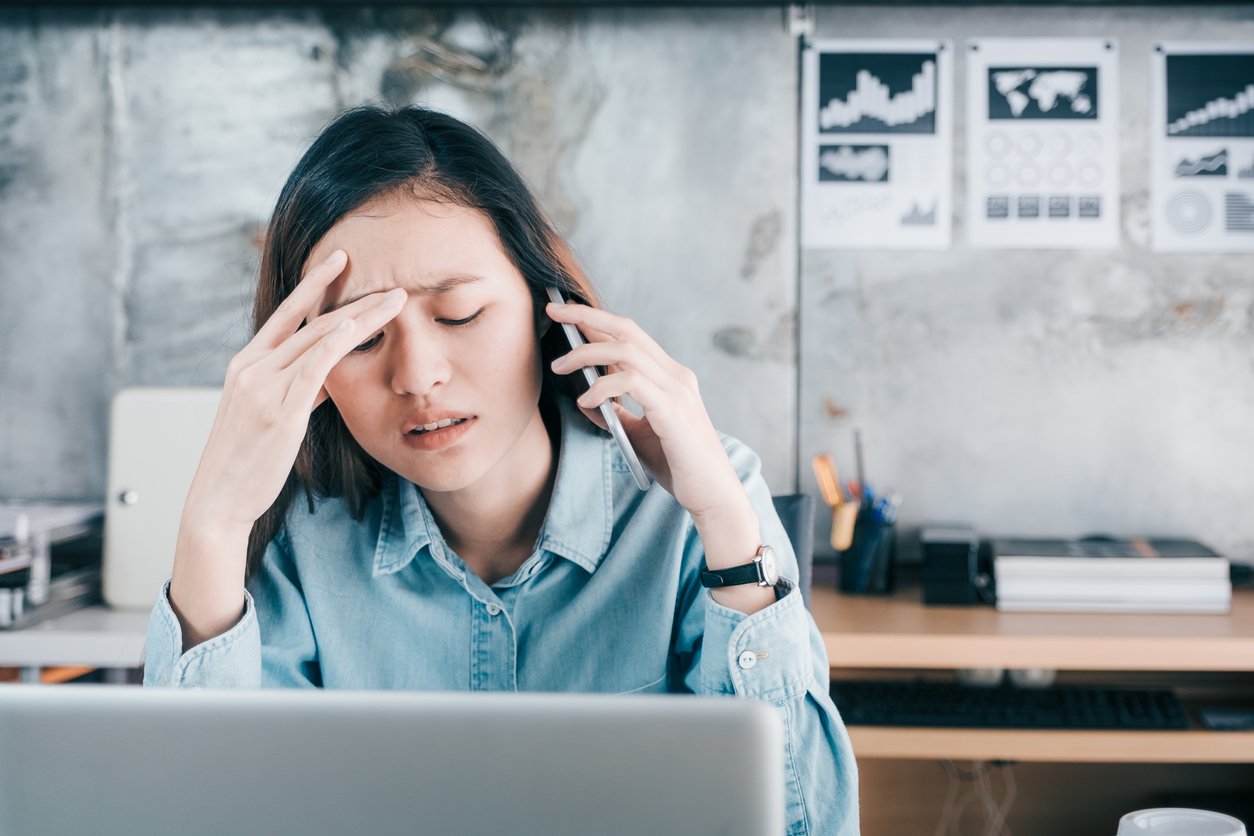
440 288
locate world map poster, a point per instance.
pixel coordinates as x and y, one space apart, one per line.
877 144
1202 135
1042 142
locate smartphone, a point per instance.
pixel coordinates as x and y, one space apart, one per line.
607 408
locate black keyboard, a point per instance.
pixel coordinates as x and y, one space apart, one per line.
876 703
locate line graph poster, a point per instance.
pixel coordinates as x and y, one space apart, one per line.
1202 128
1042 142
877 144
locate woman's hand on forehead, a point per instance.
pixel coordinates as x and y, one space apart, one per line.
272 387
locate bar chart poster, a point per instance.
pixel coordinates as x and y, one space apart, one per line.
1043 142
1202 126
877 144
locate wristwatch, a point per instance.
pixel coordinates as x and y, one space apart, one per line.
763 570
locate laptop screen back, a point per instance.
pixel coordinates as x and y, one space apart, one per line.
111 759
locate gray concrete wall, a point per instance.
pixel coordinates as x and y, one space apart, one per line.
142 150
1042 391
1058 392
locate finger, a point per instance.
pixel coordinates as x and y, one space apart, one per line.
370 313
629 419
309 374
595 416
621 355
295 308
630 382
599 325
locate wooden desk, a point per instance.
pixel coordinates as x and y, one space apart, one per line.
898 632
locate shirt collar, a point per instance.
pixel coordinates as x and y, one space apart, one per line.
577 525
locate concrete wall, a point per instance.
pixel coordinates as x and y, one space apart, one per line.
141 151
1042 391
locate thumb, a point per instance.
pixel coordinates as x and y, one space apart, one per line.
595 416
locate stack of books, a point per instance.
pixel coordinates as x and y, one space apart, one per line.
50 559
1108 575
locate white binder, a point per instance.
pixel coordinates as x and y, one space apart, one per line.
156 437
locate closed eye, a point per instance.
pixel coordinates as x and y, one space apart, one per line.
452 323
457 323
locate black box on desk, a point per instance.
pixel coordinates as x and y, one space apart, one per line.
951 564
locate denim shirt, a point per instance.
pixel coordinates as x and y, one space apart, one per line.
609 601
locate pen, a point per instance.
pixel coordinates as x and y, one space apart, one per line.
828 479
844 514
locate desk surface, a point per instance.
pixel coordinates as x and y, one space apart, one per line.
97 637
899 631
895 631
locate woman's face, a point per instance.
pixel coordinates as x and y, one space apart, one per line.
464 345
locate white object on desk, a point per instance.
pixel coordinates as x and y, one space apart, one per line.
291 761
156 438
1179 821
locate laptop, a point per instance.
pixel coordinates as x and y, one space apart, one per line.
103 759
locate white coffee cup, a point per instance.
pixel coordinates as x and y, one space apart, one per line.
1179 821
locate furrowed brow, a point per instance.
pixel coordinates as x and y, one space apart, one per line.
440 288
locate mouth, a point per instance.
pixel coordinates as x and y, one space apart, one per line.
426 429
442 434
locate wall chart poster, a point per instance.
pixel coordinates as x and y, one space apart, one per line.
1043 142
877 144
1202 122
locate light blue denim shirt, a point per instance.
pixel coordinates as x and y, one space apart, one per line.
609 601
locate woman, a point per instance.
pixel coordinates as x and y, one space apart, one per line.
464 525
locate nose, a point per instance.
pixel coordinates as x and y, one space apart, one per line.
418 359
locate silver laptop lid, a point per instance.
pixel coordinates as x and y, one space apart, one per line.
113 759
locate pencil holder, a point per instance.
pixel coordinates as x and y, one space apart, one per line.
866 567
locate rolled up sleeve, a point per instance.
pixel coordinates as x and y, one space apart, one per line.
766 654
229 660
236 658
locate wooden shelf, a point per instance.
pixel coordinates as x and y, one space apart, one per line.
1052 745
898 631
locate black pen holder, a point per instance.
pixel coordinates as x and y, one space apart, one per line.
866 567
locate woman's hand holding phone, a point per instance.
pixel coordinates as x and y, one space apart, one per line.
675 438
272 386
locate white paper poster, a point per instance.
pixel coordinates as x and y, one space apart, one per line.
877 144
1202 122
1042 142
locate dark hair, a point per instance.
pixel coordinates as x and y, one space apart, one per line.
369 153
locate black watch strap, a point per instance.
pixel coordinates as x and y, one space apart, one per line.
748 573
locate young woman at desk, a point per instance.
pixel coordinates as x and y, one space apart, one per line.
400 489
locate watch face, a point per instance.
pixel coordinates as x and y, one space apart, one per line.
770 568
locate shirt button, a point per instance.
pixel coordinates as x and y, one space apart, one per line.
747 660
494 609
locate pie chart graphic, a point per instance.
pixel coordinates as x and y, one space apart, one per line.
1188 212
